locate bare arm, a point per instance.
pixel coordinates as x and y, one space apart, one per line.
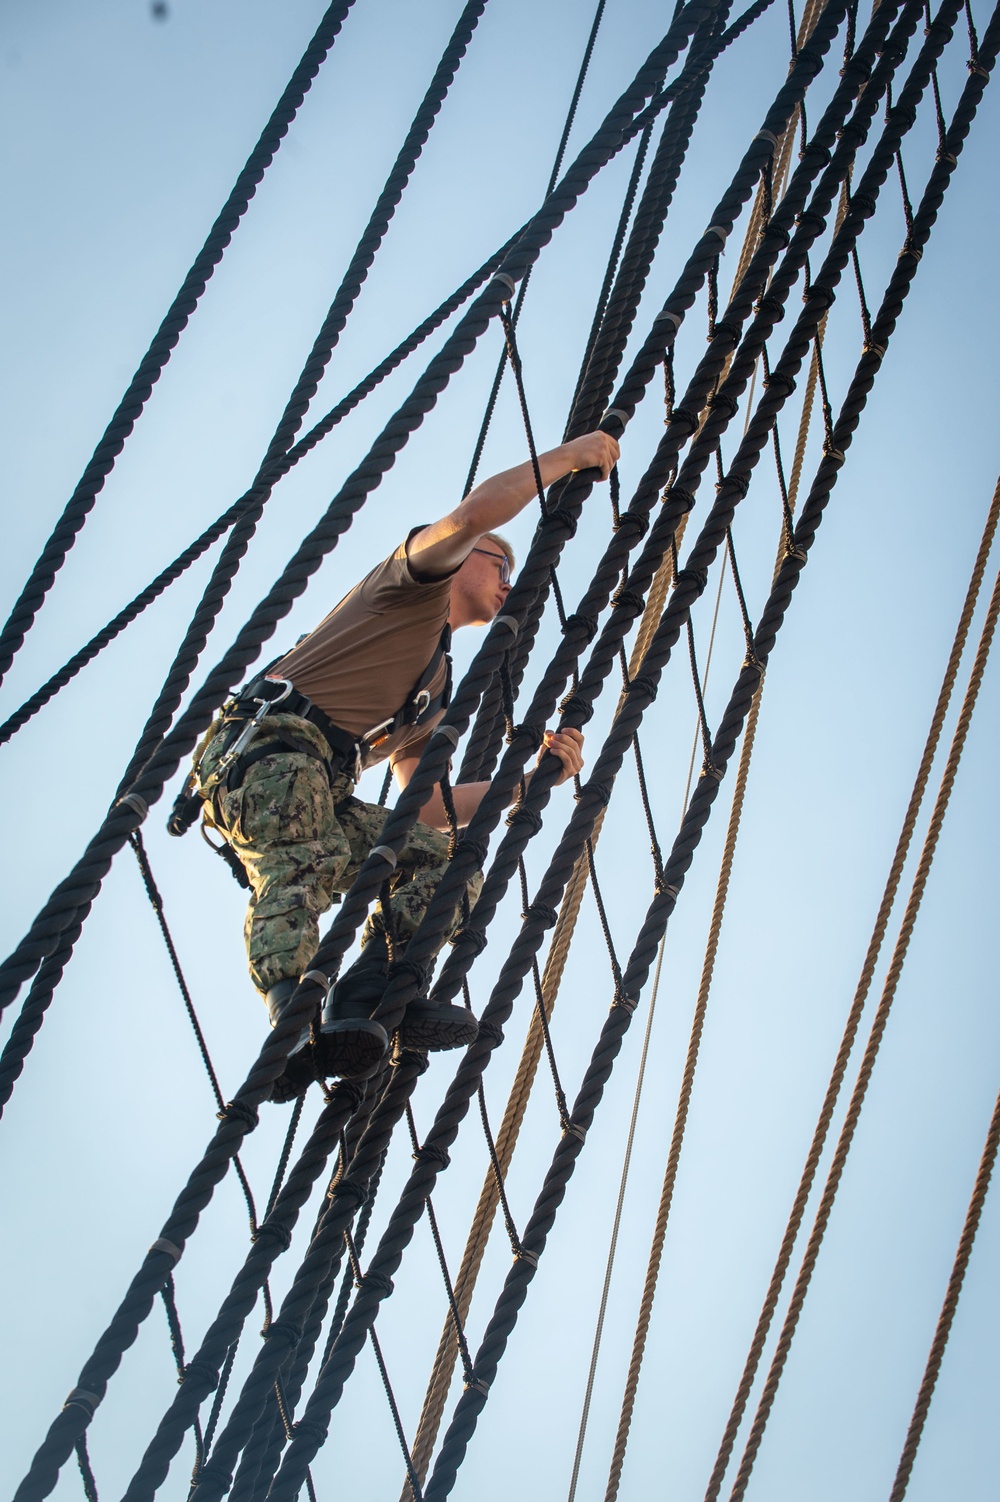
567 745
446 544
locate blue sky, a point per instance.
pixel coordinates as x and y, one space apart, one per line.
122 136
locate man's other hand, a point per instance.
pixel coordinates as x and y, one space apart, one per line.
567 745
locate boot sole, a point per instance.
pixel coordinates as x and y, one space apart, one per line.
351 1048
437 1028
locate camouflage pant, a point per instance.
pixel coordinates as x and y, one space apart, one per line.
300 843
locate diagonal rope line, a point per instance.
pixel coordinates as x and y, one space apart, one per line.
948 1308
151 366
847 1044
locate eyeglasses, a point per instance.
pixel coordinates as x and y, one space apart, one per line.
500 559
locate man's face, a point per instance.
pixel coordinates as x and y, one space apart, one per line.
481 585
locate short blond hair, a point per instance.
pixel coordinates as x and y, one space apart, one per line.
503 543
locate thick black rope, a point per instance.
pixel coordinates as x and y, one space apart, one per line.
473 1400
485 739
639 686
167 335
241 1421
305 389
85 880
491 400
330 1380
221 525
272 1058
260 1455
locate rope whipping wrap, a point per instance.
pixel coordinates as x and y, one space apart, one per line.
221 525
857 1007
534 1236
151 366
84 882
305 389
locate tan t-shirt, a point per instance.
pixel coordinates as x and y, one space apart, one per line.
362 661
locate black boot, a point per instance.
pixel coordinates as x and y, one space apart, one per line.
277 1000
299 1072
350 1043
433 1025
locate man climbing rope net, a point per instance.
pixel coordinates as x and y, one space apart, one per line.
277 770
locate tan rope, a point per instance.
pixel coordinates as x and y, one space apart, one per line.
878 1027
783 157
443 1368
948 1308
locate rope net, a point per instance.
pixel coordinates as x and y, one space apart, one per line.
659 616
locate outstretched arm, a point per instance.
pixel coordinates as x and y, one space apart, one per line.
567 745
445 544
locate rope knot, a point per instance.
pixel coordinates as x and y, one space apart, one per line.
679 496
810 219
530 735
527 818
203 1373
727 332
575 704
411 1058
539 913
413 968
582 626
275 1231
285 1331
684 420
724 401
634 523
491 1033
239 1111
771 307
438 1156
310 1429
348 1189
600 792
559 521
709 769
643 684
378 1283
473 940
350 1092
777 232
696 576
781 381
629 602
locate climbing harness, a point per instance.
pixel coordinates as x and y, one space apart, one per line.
243 717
